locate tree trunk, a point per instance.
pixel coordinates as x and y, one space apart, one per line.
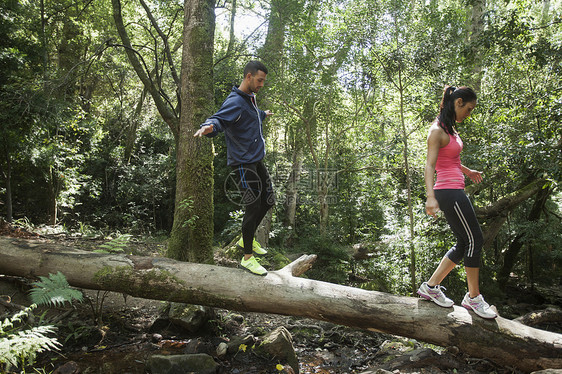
132 128
401 89
272 50
53 194
231 36
476 27
263 230
510 256
8 178
192 233
491 229
282 292
511 201
44 52
323 200
270 54
291 188
495 215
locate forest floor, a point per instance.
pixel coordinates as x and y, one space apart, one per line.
112 333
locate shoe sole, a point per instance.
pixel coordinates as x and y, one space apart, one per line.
429 298
469 308
251 272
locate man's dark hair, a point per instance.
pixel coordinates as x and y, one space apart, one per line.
253 67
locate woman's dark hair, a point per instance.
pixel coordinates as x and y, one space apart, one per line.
447 107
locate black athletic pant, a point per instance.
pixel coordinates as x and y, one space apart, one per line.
462 220
258 197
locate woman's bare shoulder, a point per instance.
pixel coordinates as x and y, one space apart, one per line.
437 135
436 130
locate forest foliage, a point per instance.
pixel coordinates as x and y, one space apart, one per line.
354 86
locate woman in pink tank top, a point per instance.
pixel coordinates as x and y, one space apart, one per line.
446 193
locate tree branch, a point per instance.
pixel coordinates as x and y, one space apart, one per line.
164 38
140 68
511 201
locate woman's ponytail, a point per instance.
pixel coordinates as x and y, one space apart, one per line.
447 113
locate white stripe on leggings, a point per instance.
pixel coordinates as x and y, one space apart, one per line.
467 229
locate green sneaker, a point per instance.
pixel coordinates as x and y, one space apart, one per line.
253 266
256 247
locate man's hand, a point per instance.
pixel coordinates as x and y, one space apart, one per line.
268 113
204 130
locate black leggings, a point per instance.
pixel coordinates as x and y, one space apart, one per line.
462 220
258 197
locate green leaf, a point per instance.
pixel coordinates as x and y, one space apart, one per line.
54 291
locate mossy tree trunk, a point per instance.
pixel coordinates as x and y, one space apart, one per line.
192 232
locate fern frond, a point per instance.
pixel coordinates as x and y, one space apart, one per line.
8 323
116 245
24 346
54 291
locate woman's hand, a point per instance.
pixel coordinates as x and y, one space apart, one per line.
431 206
474 175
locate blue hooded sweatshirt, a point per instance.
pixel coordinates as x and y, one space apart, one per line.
241 121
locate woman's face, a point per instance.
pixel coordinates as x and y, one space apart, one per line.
463 109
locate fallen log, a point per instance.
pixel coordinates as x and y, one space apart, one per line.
503 341
541 316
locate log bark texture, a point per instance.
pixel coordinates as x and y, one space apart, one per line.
506 342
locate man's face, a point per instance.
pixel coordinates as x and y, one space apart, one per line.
257 81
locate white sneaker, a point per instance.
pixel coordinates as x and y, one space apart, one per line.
435 294
478 306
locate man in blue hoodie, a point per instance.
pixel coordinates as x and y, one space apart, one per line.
242 123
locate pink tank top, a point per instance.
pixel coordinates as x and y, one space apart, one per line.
448 165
